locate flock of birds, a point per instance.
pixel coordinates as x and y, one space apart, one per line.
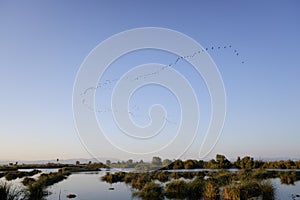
108 84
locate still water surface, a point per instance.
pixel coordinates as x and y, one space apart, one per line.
88 186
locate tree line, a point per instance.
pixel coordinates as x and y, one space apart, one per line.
219 162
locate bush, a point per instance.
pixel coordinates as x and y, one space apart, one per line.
114 177
211 191
231 193
267 190
177 189
36 189
287 178
162 176
7 192
223 177
28 181
19 174
140 181
151 191
196 188
129 177
249 189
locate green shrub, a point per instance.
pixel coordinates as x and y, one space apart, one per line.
177 189
196 188
249 189
140 181
267 190
151 191
287 178
211 191
11 175
231 193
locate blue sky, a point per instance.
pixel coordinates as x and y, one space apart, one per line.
42 45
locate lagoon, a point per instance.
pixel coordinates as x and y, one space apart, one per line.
89 186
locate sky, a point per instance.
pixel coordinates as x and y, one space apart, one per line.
44 43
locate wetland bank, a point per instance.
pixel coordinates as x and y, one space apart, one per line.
244 178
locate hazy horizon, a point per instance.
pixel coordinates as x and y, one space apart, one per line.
253 44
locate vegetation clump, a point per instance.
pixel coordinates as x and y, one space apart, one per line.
177 189
11 175
267 190
287 178
151 191
221 184
248 180
71 196
231 192
36 189
211 191
8 192
114 177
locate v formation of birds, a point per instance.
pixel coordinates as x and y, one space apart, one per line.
108 83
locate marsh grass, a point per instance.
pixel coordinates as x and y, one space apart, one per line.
11 175
249 189
211 191
222 184
177 189
9 192
231 192
114 177
140 181
267 190
287 178
37 189
151 191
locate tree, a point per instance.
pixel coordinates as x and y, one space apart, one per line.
200 164
178 164
129 163
246 162
290 164
108 162
238 162
222 161
156 161
166 162
77 162
190 164
57 160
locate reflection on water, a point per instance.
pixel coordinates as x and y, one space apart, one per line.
201 169
88 186
284 191
43 170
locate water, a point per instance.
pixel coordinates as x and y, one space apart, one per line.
88 186
201 169
43 170
285 191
